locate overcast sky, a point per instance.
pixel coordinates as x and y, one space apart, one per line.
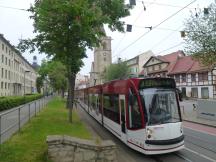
163 39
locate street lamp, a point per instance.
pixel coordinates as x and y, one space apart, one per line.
26 71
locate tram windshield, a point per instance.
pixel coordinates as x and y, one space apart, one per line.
160 105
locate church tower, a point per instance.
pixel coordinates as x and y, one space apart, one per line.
35 64
102 59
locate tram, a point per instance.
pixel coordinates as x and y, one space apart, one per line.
144 113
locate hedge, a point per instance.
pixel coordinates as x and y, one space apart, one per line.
14 101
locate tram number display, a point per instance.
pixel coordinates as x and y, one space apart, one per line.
157 82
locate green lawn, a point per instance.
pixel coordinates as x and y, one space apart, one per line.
29 145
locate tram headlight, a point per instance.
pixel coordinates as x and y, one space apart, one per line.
149 133
181 129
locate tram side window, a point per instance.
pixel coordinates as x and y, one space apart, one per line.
92 101
135 118
111 107
85 97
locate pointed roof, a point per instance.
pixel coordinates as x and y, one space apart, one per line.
171 56
182 65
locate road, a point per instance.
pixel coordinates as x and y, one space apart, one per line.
200 145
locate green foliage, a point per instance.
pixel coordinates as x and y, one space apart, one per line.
39 84
14 101
56 72
65 28
30 144
57 75
201 36
116 71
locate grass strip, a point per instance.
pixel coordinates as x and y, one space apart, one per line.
29 145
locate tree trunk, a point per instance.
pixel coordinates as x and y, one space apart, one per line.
70 101
62 92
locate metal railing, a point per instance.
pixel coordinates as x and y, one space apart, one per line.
12 120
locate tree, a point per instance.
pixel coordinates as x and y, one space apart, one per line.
57 75
201 35
118 70
55 71
39 84
65 28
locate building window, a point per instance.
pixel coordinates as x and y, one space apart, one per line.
9 75
183 77
5 74
177 78
2 47
194 92
184 92
2 85
193 77
159 67
5 85
2 58
203 76
204 92
2 72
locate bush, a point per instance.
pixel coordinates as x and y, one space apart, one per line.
14 101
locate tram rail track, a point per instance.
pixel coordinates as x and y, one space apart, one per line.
201 146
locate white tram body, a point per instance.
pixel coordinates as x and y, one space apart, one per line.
142 113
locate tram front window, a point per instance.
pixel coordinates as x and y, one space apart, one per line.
161 106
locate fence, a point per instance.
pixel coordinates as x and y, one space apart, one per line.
12 120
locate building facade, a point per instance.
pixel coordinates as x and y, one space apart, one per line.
136 64
17 76
102 59
82 81
193 78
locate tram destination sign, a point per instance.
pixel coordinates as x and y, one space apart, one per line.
157 82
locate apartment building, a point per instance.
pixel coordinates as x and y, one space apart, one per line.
192 77
135 64
17 76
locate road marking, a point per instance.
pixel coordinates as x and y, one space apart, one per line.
199 154
198 130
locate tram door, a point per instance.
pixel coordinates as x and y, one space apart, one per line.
123 117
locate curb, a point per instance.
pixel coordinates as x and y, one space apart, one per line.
200 123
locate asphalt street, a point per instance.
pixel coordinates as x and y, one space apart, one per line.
199 146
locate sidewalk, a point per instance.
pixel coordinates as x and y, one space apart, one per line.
190 115
195 119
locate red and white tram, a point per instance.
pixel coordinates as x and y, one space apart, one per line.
143 113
